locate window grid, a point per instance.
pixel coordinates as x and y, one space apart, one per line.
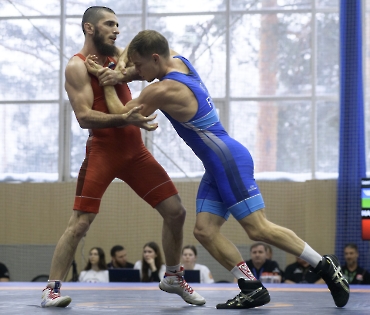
65 108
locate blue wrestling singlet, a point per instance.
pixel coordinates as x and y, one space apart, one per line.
228 185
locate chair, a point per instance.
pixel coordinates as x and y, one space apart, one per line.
40 278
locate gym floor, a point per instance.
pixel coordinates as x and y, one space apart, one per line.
146 298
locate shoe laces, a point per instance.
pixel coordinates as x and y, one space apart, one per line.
238 298
338 276
241 298
52 295
184 284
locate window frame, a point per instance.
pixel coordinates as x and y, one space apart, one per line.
65 110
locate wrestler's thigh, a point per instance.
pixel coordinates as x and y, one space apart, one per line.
149 180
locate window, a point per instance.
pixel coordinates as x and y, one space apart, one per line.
271 66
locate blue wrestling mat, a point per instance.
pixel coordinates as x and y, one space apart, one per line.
146 298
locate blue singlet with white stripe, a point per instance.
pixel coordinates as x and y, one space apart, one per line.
228 185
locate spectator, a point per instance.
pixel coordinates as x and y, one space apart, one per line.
189 258
151 265
351 270
4 273
299 272
96 268
263 269
118 254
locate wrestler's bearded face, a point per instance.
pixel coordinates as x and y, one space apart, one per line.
102 47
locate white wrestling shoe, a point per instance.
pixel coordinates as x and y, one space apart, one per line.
51 296
175 283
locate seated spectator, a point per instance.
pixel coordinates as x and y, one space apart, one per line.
351 270
4 273
299 272
189 258
263 269
96 268
151 265
118 254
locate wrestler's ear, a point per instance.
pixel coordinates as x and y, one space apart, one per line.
155 58
89 28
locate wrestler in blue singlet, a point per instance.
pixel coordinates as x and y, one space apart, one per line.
228 185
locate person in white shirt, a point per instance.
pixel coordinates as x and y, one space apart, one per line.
151 265
96 268
189 258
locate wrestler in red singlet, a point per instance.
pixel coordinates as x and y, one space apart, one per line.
118 153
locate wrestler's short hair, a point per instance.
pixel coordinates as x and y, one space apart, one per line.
149 42
93 15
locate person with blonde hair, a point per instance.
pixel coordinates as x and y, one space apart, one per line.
228 185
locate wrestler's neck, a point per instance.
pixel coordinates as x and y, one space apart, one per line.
171 65
90 49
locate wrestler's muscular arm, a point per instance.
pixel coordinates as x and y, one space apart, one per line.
153 97
114 104
150 99
81 97
170 96
124 70
126 67
107 76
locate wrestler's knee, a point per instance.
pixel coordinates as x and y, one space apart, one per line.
200 235
172 210
177 216
80 224
207 227
203 234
